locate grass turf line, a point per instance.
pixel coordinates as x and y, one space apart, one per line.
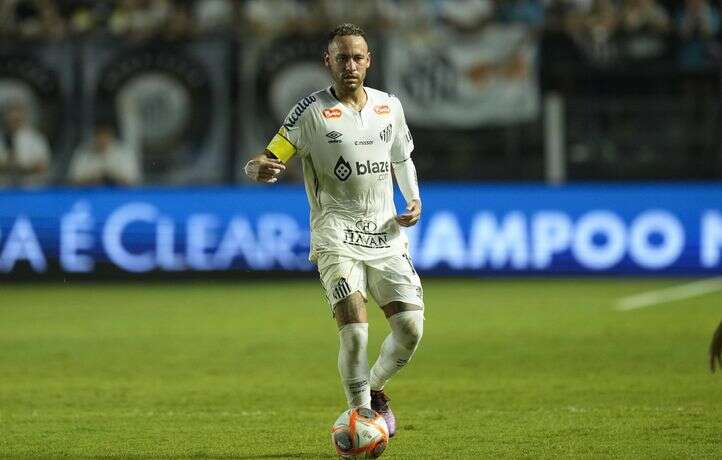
507 368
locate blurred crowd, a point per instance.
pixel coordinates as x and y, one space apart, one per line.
599 33
602 29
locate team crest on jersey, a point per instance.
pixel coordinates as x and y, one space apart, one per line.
382 109
385 134
342 170
332 113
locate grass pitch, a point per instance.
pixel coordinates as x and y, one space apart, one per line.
507 368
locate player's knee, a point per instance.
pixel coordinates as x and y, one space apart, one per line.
408 327
354 337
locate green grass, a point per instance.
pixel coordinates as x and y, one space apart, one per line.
507 368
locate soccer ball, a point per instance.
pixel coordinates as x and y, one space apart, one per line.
360 433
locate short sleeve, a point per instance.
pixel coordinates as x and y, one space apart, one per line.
403 142
292 136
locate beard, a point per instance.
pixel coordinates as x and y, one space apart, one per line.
350 82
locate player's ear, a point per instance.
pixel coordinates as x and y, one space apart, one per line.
326 60
368 59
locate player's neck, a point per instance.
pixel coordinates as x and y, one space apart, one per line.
355 99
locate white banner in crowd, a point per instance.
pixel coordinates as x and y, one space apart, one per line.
459 80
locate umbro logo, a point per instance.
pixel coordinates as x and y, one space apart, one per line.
385 135
334 137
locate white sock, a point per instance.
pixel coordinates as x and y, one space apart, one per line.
406 330
353 364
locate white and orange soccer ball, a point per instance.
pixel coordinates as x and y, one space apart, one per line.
360 433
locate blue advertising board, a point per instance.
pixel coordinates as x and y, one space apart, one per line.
465 229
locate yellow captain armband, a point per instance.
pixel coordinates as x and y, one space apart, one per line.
281 146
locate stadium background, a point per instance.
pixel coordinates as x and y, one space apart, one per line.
553 139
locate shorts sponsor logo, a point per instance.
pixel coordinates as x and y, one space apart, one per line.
382 109
364 142
301 107
342 170
366 239
385 134
332 113
334 137
366 226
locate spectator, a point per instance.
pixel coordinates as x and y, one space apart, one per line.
214 16
697 25
104 161
24 150
558 12
643 26
467 16
335 12
594 31
87 16
273 18
181 24
31 19
406 16
140 19
528 12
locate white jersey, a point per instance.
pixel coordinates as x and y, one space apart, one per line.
347 156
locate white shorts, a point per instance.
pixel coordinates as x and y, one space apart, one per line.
389 279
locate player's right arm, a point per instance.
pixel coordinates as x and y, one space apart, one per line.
289 139
265 167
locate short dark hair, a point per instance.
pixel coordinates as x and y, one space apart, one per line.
345 29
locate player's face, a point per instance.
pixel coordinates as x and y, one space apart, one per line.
348 59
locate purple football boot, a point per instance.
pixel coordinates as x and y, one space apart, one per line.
380 403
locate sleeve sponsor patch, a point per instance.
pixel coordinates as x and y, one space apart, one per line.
298 110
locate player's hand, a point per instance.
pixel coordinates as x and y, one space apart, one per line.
264 169
412 214
715 350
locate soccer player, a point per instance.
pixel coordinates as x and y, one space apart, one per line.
715 349
349 138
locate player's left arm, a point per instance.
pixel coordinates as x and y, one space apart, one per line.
715 349
405 171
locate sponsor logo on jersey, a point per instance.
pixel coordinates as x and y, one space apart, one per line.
332 113
366 239
342 170
366 226
385 134
382 109
334 137
364 142
372 167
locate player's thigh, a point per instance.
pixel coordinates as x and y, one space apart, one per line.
394 284
352 309
344 283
